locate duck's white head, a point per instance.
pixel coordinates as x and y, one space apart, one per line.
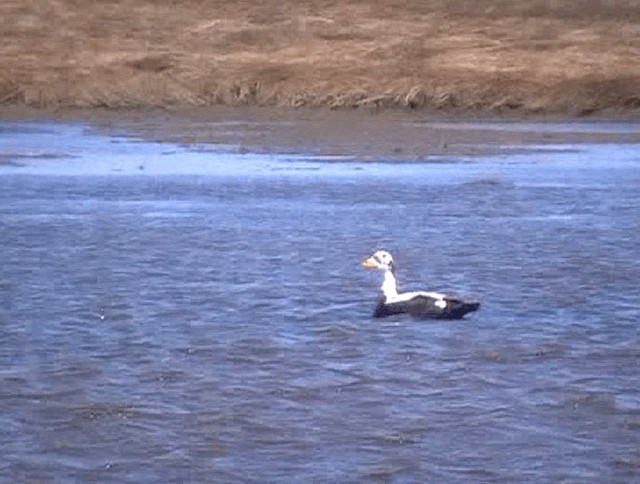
382 259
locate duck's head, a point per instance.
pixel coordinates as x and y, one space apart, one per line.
380 260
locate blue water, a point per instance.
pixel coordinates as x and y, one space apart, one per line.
188 313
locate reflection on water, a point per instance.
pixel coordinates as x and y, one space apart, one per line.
175 313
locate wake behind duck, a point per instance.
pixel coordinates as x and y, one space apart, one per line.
419 304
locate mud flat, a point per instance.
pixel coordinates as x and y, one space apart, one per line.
572 58
333 135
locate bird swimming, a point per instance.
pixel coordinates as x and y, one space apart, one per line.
419 304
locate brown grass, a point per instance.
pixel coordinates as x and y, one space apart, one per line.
573 57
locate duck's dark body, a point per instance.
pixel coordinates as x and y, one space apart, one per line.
425 307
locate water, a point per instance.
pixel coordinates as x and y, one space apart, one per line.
185 313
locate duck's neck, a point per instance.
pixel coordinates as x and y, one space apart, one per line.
390 285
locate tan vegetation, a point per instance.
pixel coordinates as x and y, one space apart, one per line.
572 57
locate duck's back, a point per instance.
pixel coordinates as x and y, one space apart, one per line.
424 306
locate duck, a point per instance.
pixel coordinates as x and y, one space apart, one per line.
419 304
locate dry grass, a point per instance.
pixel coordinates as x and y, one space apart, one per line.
571 57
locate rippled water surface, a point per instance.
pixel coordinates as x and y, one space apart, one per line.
188 313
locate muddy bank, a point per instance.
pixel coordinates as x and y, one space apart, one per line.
575 58
337 135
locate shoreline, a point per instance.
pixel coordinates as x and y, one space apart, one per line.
486 58
386 135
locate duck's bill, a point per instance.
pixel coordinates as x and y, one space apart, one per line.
369 263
